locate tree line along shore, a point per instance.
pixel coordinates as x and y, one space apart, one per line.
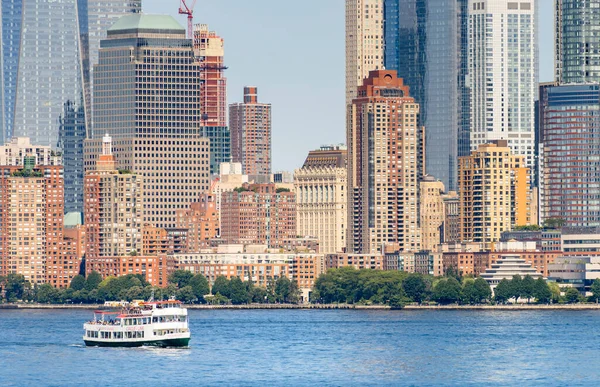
338 288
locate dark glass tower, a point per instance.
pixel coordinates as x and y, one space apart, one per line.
70 140
578 41
426 42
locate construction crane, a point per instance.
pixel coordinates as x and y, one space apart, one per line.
189 11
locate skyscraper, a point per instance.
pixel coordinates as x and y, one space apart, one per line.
250 126
209 51
494 192
41 68
577 41
96 17
31 219
71 137
570 143
503 72
385 163
114 209
321 197
427 43
364 42
147 98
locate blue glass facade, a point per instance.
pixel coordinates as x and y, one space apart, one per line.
426 42
71 140
220 146
11 11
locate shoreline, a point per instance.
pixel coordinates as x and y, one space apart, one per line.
519 307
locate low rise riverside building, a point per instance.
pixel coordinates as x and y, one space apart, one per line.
358 261
577 272
506 267
256 263
258 214
156 269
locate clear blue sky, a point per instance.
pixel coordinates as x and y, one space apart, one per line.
293 51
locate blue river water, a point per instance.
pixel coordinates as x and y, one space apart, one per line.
314 347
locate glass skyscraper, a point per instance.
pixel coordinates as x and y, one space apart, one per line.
40 66
426 42
570 140
578 41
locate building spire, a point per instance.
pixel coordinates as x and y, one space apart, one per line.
106 145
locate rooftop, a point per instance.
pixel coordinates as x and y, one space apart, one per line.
146 22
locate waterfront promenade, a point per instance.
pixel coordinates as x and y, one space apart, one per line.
509 307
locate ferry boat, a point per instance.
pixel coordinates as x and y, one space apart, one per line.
153 323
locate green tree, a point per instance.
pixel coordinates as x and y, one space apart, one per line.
181 278
554 223
93 281
258 295
15 287
186 295
542 291
134 293
282 289
78 282
468 294
47 294
415 287
516 287
447 291
482 289
453 271
595 289
555 290
221 286
528 287
237 292
503 291
572 295
200 286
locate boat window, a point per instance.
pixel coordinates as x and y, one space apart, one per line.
154 319
118 335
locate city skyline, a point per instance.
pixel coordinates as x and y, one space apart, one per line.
282 67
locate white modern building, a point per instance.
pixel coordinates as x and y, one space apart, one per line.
503 73
507 267
364 42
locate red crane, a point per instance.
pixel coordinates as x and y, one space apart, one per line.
189 11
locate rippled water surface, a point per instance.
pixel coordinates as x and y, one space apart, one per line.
313 347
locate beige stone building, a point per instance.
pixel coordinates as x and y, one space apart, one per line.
432 212
364 42
494 192
321 197
385 164
113 209
147 97
14 152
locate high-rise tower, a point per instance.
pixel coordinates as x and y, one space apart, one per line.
385 163
503 73
96 17
147 98
250 125
577 41
41 67
427 43
364 42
